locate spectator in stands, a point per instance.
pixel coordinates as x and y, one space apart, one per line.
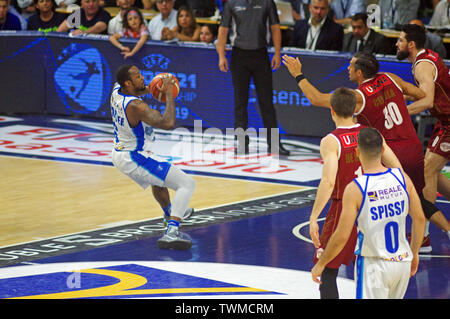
26 8
208 33
115 25
167 18
133 27
15 9
201 8
46 19
187 28
441 14
433 42
319 32
149 4
8 21
345 9
94 19
363 38
300 9
395 13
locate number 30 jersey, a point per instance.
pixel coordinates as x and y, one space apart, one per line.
384 108
381 221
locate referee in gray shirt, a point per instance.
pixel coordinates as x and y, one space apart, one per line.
248 21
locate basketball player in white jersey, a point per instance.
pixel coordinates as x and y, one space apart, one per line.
378 202
133 123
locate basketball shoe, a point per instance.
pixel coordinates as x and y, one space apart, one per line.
174 239
426 244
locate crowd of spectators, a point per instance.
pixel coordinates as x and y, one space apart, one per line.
318 24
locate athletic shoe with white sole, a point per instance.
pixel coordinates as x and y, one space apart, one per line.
174 239
426 244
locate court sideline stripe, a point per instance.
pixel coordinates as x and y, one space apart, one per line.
155 218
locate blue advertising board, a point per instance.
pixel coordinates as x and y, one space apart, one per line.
62 75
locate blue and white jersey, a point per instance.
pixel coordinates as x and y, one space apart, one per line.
381 220
127 138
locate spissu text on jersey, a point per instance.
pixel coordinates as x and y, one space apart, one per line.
387 210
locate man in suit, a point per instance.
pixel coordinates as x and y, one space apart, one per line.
363 38
319 32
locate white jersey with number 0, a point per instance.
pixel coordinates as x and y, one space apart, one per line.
381 220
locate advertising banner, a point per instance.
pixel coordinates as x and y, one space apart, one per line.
73 76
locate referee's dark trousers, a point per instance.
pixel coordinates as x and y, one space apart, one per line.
245 65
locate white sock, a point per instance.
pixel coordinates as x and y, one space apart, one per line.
427 229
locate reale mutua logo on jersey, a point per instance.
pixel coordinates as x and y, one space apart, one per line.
82 78
386 193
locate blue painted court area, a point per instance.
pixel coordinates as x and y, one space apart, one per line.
266 241
269 241
257 249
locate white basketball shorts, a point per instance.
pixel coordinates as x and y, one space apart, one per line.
377 278
143 167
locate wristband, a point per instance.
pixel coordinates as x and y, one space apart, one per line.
300 77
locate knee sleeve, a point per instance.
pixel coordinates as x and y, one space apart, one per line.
184 186
428 207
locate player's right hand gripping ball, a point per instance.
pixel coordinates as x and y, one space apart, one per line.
156 83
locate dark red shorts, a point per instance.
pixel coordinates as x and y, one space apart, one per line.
440 140
331 222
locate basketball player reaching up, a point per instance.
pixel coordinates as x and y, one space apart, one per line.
340 167
379 202
133 122
380 104
433 77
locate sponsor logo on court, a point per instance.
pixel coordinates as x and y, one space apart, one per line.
154 279
202 152
13 255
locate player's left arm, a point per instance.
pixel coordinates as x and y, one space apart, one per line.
138 110
413 92
329 149
314 96
424 74
351 202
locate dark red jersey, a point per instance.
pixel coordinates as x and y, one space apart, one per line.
384 108
441 104
349 166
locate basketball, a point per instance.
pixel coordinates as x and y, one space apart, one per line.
156 83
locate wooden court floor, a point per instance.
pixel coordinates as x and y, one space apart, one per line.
42 198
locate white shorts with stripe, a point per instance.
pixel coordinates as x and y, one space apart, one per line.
377 278
143 167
